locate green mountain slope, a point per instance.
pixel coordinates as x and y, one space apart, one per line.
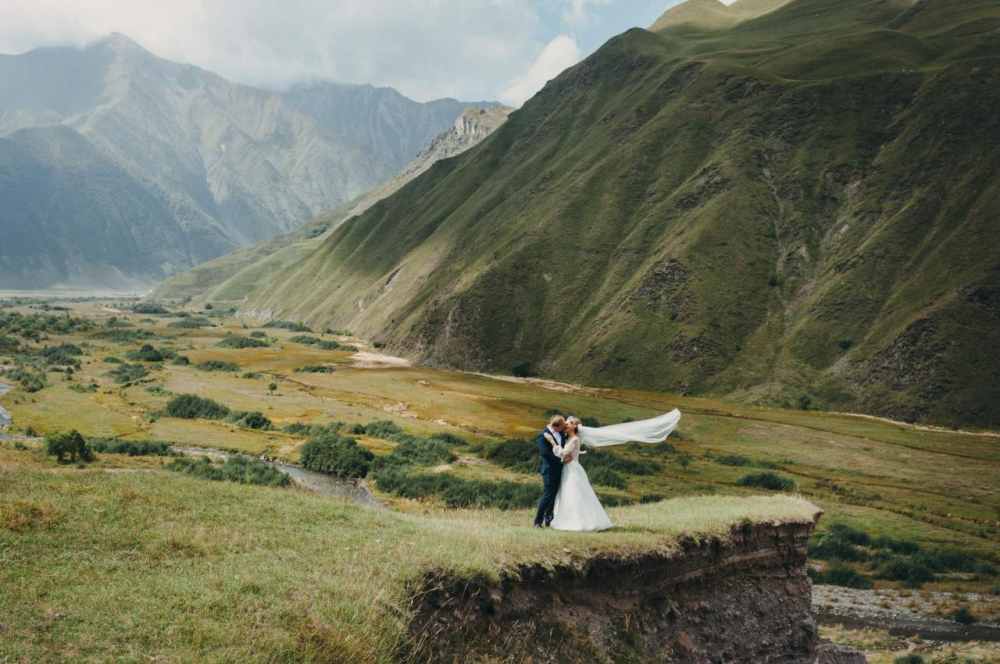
801 205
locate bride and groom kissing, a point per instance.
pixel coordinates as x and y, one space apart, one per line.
568 501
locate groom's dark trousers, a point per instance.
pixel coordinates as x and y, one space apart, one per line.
551 475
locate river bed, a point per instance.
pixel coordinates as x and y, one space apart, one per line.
354 490
4 415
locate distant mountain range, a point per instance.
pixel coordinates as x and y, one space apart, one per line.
229 279
783 203
118 168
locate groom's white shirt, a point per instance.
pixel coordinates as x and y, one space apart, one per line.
559 441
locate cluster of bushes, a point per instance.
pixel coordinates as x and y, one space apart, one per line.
331 453
313 341
62 355
839 573
235 469
118 336
130 447
33 326
288 325
315 368
71 445
251 374
89 388
216 365
241 342
191 406
405 482
114 322
149 353
191 323
310 430
150 308
258 334
127 372
181 361
739 461
767 480
31 381
891 559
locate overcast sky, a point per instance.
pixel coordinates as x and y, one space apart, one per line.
469 49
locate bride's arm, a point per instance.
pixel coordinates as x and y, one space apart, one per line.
558 451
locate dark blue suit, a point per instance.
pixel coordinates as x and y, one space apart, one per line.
551 475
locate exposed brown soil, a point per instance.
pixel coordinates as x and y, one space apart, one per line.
741 598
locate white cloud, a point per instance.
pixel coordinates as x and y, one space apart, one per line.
576 15
424 48
558 54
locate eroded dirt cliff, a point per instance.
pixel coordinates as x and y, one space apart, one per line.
740 598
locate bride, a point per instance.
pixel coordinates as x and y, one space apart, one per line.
577 506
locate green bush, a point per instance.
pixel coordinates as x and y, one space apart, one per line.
524 370
72 445
963 616
181 361
607 477
767 480
130 447
315 368
336 455
191 323
516 454
251 420
251 374
839 574
312 430
384 429
911 573
422 451
126 372
456 492
216 365
234 469
150 308
125 336
911 658
258 334
191 406
241 342
148 353
614 461
733 460
288 325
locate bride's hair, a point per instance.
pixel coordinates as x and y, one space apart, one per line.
574 421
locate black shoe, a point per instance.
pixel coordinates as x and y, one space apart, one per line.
548 523
538 525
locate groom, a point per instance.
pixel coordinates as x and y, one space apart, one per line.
551 469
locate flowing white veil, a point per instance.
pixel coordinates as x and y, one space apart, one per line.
654 430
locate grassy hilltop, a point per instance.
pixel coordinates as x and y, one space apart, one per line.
797 205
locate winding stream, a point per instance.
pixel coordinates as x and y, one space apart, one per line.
4 415
354 490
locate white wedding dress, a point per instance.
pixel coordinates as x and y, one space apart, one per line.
577 506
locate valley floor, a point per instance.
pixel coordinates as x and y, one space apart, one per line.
173 543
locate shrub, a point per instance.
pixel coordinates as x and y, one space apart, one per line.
337 455
912 574
524 370
449 439
804 402
422 451
234 469
258 334
839 574
911 658
126 372
684 459
315 368
516 454
125 336
130 448
150 354
241 342
607 477
595 459
251 420
844 344
733 460
216 365
191 406
767 480
963 616
831 546
72 444
313 430
384 429
590 422
453 491
150 308
89 388
181 361
288 325
551 412
191 323
251 374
